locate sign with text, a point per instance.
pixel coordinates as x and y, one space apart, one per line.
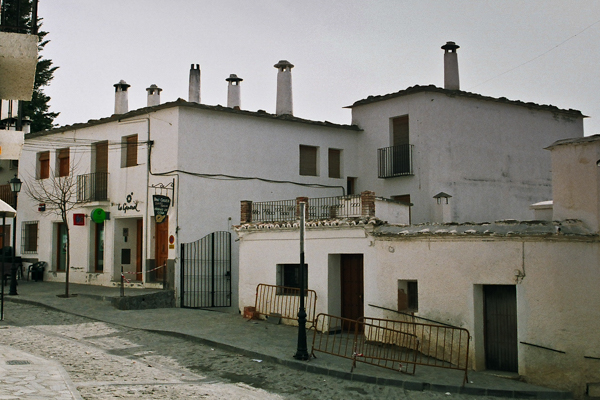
161 207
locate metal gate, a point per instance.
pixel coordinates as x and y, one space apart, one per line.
206 271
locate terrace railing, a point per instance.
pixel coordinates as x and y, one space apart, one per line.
317 208
395 161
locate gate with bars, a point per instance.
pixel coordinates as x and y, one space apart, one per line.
206 271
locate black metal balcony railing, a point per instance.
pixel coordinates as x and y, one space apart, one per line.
92 187
318 208
19 16
395 161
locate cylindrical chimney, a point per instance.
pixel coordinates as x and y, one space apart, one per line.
153 95
121 97
233 92
451 80
284 88
194 94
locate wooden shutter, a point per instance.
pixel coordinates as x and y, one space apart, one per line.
44 159
308 160
101 157
334 163
63 162
132 145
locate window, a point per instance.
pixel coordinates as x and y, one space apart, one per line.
335 163
129 151
408 295
100 162
308 160
29 237
350 186
43 167
288 275
62 162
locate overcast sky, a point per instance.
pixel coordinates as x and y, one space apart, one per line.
536 51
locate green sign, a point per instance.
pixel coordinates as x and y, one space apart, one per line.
98 215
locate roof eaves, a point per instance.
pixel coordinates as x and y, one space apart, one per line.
461 93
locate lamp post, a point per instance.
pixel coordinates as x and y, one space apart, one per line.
302 350
15 187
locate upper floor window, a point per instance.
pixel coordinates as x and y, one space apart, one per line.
129 151
43 165
335 163
100 157
62 162
308 160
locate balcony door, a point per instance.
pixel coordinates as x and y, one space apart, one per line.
400 142
101 170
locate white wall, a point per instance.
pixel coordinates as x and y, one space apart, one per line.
488 155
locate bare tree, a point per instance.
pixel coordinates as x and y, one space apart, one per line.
59 194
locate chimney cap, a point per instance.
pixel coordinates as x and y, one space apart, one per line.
233 78
153 87
122 84
284 64
450 46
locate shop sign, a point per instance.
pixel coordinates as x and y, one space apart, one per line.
161 207
129 205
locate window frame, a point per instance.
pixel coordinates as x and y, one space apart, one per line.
63 164
43 160
334 162
408 295
29 246
287 272
129 151
308 160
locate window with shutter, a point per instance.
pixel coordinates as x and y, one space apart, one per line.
131 147
308 160
44 165
101 164
63 162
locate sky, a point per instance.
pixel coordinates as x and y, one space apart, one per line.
545 51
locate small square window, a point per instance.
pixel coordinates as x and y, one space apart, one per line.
288 275
308 160
408 295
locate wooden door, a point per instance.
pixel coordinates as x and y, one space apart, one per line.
138 248
161 246
351 266
500 308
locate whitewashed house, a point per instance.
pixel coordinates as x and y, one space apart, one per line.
526 291
204 159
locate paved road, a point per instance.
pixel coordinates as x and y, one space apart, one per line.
107 361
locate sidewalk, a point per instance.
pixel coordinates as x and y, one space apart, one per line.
259 339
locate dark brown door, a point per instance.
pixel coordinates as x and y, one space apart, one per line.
351 266
161 246
138 248
500 307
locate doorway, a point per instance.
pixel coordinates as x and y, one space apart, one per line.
352 286
61 246
161 246
500 327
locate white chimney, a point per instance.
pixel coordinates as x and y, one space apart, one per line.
284 88
153 95
121 97
194 94
233 92
451 80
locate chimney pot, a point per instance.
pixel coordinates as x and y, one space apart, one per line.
194 90
153 95
451 78
284 88
233 92
121 97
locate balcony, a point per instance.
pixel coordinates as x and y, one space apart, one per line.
395 161
92 187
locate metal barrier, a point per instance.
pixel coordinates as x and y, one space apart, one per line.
284 302
396 345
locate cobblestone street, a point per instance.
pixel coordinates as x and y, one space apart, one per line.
107 361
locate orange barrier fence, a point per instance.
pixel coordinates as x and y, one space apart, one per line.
282 301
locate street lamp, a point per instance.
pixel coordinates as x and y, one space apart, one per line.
15 187
302 351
